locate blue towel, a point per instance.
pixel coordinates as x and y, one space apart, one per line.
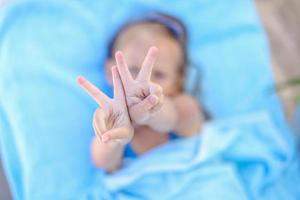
45 118
234 158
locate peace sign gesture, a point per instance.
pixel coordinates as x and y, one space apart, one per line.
111 120
144 98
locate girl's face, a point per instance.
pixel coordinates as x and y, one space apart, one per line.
166 71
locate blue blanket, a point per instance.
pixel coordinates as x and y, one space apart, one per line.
237 158
45 118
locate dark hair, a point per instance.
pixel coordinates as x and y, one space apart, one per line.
174 27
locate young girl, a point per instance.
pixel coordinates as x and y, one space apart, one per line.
149 107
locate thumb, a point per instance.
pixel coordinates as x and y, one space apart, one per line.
137 112
117 134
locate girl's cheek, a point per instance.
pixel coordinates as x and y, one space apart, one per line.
168 88
157 81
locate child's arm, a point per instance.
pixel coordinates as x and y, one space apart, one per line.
190 118
180 114
107 155
111 124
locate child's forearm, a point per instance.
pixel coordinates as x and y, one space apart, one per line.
180 114
190 116
107 155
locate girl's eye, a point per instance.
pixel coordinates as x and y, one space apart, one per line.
158 75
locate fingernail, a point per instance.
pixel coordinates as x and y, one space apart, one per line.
80 79
154 49
153 99
118 54
105 138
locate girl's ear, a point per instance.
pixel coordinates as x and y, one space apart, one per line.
108 65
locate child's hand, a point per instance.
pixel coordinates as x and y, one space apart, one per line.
111 120
144 98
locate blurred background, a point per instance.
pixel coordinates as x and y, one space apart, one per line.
281 21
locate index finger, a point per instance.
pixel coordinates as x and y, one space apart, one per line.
118 86
93 91
150 59
123 68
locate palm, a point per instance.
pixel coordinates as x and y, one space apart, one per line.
136 92
143 96
111 120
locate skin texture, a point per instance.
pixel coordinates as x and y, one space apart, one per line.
148 102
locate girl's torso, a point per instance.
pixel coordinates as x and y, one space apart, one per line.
146 139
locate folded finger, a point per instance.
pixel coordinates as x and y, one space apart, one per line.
99 122
156 90
138 111
116 134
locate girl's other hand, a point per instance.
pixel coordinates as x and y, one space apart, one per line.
144 98
111 120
